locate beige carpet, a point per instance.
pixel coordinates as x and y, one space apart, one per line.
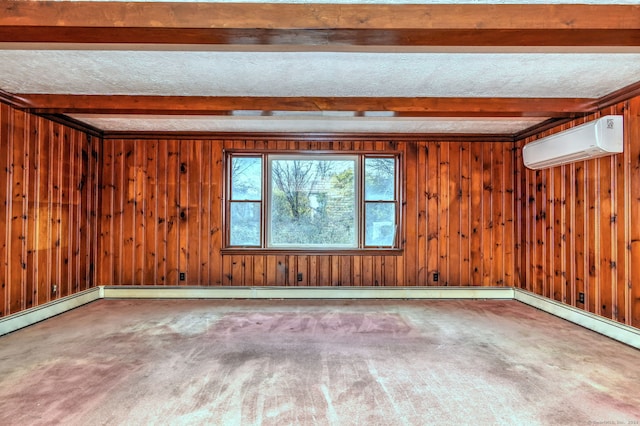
314 363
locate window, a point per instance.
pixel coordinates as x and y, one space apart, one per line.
312 201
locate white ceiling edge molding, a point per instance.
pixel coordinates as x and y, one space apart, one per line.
377 125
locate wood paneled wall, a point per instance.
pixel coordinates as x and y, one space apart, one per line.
580 227
161 215
48 220
473 214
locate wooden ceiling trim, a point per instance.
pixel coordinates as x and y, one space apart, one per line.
624 94
319 24
540 128
224 105
13 100
74 124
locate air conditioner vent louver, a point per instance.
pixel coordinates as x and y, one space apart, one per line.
597 138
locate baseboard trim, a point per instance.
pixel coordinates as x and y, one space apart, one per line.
159 292
36 314
613 329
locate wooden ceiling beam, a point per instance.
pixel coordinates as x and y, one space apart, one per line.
212 105
320 38
320 24
316 16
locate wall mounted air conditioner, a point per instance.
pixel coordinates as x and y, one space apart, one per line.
590 140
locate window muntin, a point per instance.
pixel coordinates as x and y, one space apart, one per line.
312 201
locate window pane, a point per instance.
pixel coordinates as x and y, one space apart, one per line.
380 227
244 224
313 202
246 178
379 179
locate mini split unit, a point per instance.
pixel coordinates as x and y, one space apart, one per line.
591 140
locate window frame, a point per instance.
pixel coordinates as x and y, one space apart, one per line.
228 201
360 219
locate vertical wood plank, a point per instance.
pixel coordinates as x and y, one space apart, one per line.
43 206
623 197
444 212
163 200
509 202
519 211
271 277
5 198
236 274
258 270
476 190
140 203
183 218
346 270
204 213
357 271
324 271
581 232
91 208
634 211
173 213
528 249
592 289
465 213
31 212
216 218
487 214
606 259
66 198
422 184
554 233
106 259
433 211
75 225
498 194
334 268
454 195
151 253
572 208
17 261
194 223
412 215
129 217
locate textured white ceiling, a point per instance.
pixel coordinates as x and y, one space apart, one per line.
225 73
304 124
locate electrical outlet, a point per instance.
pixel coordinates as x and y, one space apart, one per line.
580 297
436 277
299 276
183 276
54 289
